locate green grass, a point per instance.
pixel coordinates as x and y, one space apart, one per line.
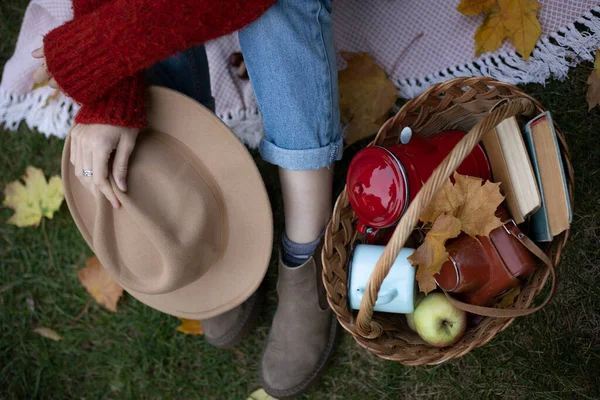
136 353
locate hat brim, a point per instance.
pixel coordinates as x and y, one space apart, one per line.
241 269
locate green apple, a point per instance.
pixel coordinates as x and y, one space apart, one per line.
438 322
410 318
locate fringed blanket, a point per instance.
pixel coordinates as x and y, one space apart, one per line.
417 44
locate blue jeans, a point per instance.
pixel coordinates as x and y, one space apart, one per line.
291 62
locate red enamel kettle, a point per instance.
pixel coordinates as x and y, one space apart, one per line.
382 181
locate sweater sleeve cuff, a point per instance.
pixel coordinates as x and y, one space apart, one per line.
124 106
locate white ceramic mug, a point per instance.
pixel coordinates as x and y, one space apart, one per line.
397 292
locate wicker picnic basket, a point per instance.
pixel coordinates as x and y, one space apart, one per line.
474 105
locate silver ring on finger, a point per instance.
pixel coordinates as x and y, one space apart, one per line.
88 172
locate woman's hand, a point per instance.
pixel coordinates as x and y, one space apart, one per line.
41 74
91 148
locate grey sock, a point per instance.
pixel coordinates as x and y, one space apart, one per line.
296 254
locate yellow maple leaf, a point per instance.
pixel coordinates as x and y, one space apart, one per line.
52 97
99 284
509 298
593 93
490 35
447 200
512 19
190 327
48 333
475 7
260 394
366 95
39 85
521 24
478 212
431 254
36 199
468 200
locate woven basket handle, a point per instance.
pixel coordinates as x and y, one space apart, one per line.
368 328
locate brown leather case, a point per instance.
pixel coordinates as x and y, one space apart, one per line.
518 260
500 278
479 270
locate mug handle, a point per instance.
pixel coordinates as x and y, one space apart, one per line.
383 297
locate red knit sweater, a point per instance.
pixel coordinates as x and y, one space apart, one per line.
98 59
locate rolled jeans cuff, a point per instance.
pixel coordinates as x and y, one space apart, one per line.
302 159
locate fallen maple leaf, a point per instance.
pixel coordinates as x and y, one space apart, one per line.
478 212
366 95
53 96
48 333
475 7
512 19
468 200
101 286
593 81
447 200
509 298
40 85
260 394
431 254
190 327
36 199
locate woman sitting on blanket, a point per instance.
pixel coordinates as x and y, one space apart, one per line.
113 48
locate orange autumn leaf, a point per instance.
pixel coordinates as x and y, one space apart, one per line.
190 327
366 95
432 253
513 19
593 81
101 286
478 212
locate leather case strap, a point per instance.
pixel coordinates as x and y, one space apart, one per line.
513 230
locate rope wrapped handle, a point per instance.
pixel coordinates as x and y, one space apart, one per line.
365 325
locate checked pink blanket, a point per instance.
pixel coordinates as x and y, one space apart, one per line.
418 43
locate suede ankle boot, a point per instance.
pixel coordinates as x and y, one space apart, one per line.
303 334
228 329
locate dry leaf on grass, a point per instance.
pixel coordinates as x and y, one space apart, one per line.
48 333
260 394
593 81
366 95
512 19
509 298
432 253
35 199
190 327
99 284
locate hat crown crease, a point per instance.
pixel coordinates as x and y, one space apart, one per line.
187 244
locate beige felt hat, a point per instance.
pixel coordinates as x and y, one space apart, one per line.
194 234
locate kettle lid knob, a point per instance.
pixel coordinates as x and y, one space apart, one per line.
405 135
